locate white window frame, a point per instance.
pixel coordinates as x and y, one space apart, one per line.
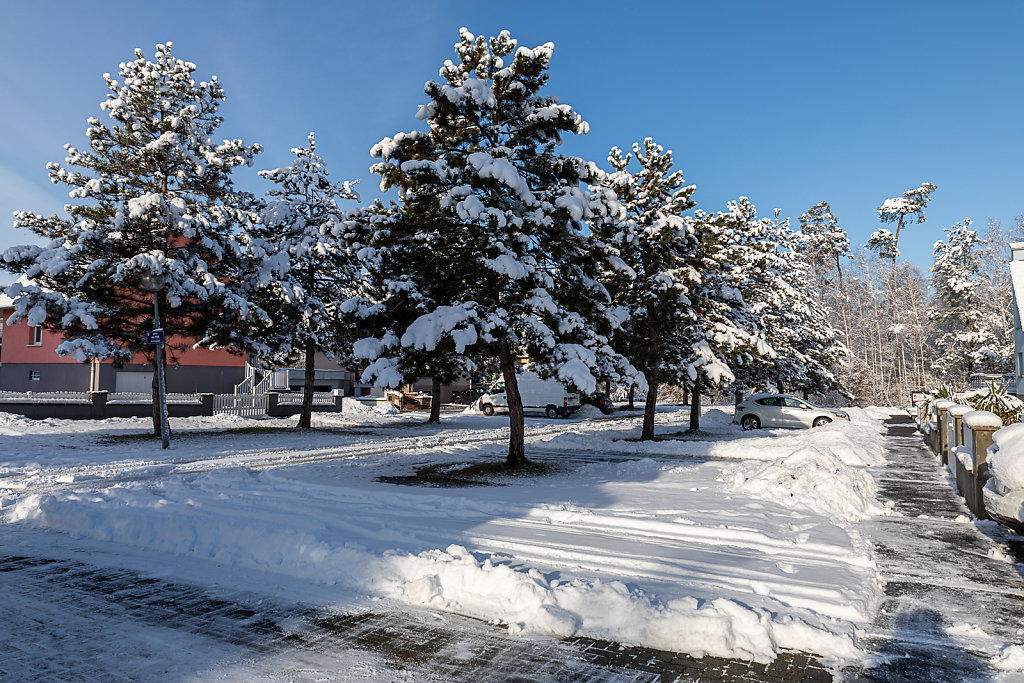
37 335
34 376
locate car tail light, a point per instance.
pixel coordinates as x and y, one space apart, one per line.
739 408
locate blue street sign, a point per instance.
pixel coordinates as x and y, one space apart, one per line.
155 337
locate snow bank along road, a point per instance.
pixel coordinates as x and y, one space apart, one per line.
736 544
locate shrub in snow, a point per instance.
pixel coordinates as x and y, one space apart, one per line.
996 399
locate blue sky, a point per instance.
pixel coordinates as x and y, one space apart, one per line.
788 103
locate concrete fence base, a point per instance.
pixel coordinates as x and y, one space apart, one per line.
276 409
98 408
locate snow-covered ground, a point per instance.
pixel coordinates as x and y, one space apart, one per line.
732 544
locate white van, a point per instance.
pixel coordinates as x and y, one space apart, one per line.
548 396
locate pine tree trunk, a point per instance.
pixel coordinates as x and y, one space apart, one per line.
695 407
309 378
647 432
516 426
435 400
632 395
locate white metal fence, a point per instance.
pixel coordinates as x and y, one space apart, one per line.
246 405
320 398
44 397
143 397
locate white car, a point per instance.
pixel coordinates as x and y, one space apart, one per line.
781 410
1003 493
547 396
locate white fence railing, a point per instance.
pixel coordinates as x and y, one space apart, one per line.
246 405
45 397
272 380
142 397
320 398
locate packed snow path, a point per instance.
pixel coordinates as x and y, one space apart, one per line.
954 595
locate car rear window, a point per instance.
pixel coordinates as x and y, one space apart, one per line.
768 401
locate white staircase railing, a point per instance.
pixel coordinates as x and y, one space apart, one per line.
274 380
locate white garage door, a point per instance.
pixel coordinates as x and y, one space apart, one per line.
134 382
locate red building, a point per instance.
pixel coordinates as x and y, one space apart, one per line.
29 362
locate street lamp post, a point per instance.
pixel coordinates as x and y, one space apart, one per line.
157 338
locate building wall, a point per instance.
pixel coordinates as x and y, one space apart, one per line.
52 377
188 371
182 379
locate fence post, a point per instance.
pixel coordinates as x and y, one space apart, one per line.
983 425
940 441
99 405
337 394
207 401
272 403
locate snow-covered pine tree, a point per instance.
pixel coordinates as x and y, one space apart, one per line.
655 268
883 243
902 211
157 211
965 345
778 290
413 267
722 332
824 241
314 263
489 165
995 293
815 342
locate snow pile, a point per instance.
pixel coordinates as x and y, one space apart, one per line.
353 407
982 418
15 425
813 479
455 580
857 443
1007 460
1010 658
588 412
877 412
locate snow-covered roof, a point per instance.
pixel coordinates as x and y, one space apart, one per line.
1017 277
5 301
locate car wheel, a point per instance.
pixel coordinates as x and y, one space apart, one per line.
750 422
551 412
487 409
820 421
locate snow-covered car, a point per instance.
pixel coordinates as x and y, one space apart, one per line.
781 410
599 400
1004 491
